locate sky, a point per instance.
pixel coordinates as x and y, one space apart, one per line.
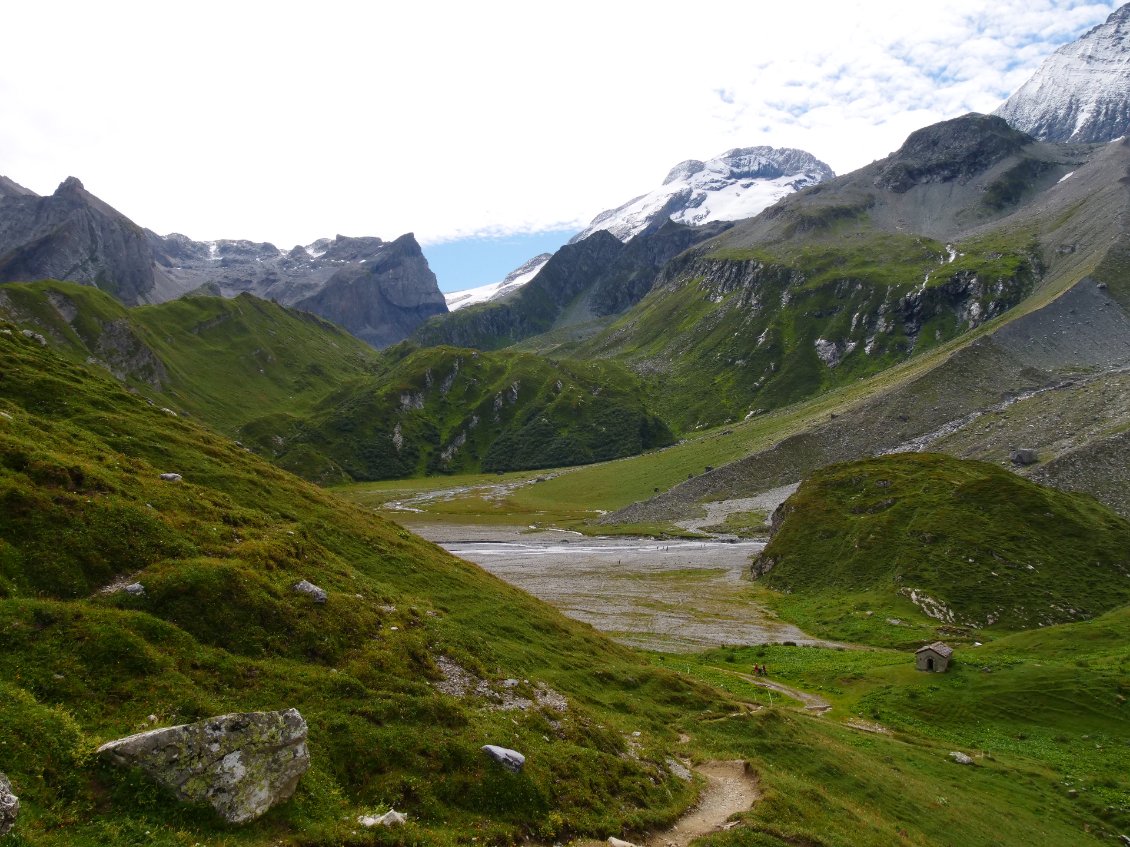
476 124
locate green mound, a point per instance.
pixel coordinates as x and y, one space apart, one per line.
220 629
448 410
964 543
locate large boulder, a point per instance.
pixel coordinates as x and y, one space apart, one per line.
242 764
9 806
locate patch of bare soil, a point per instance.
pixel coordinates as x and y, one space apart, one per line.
731 789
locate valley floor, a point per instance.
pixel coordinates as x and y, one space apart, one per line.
672 595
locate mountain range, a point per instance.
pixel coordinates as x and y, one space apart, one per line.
377 290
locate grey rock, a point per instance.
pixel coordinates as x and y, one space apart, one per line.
1024 456
961 758
34 336
136 589
512 760
311 590
72 235
389 818
242 764
613 841
9 806
171 477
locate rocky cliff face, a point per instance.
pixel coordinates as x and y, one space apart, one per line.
378 290
590 279
738 184
72 235
382 298
1081 93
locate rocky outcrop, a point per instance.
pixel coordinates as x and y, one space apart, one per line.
242 764
9 806
950 150
382 299
72 235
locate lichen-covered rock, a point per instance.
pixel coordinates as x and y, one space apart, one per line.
512 760
9 806
961 758
242 764
318 595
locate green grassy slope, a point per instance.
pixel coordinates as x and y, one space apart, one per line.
446 410
969 544
226 361
219 629
758 329
1043 713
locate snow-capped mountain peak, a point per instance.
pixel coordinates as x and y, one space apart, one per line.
493 290
737 184
1081 92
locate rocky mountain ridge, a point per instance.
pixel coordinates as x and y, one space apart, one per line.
377 290
1081 93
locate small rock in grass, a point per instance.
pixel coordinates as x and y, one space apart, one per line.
678 769
389 818
171 477
512 760
9 805
961 758
619 842
318 595
136 589
34 336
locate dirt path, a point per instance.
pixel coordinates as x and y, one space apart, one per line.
731 788
812 703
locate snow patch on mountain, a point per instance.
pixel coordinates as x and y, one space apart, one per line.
1081 93
493 290
738 184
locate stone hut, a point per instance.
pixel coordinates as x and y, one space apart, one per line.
933 657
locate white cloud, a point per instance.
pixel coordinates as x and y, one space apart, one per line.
285 122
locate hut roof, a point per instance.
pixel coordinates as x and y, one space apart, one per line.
938 647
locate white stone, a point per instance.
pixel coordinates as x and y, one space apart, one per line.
512 760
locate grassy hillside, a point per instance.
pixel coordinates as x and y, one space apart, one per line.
446 410
225 361
758 329
1043 713
219 629
966 544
